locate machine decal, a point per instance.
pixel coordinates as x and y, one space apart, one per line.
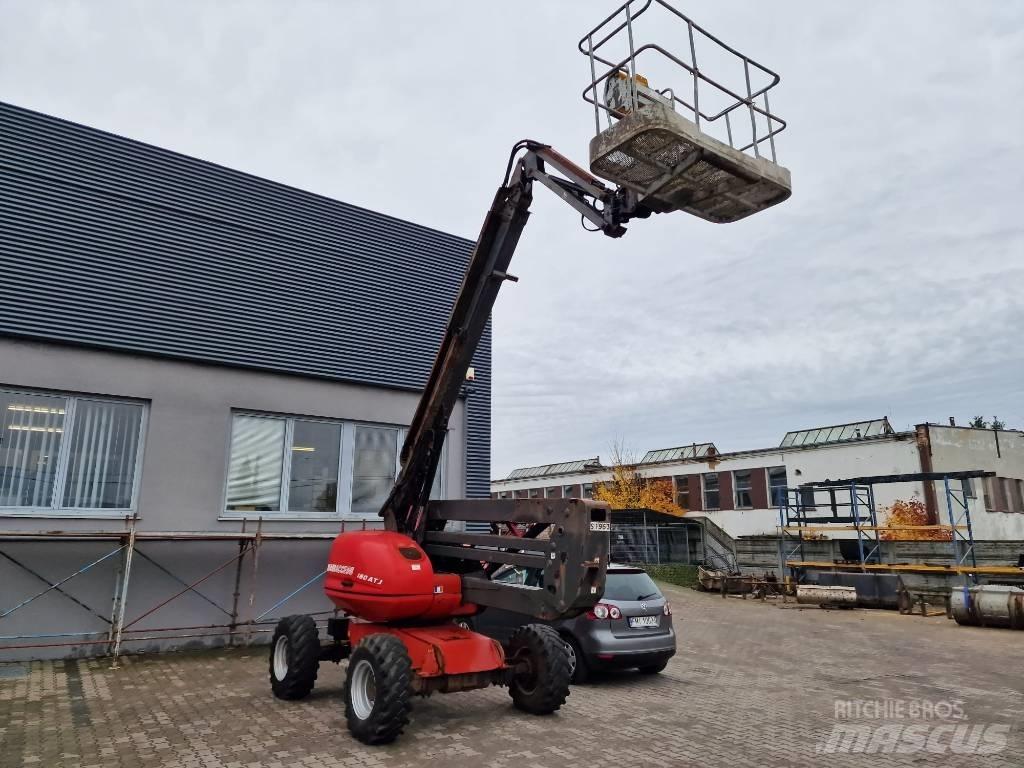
344 570
370 579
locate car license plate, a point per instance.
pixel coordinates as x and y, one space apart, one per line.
644 621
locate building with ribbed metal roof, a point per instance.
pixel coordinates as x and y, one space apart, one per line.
200 350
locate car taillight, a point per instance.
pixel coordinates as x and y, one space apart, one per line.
667 610
604 611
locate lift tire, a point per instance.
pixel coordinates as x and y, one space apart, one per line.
378 689
294 657
544 687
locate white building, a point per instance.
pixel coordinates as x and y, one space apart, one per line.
740 490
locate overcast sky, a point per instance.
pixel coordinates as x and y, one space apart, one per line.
891 283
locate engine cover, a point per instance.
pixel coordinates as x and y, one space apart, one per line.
385 576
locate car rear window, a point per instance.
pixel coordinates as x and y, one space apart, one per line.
630 585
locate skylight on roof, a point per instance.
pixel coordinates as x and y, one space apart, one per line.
692 451
838 433
561 468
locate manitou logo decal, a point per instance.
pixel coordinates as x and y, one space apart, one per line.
342 570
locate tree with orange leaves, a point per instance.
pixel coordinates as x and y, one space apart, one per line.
629 490
911 513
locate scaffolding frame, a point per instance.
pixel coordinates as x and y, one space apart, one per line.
856 499
857 496
120 629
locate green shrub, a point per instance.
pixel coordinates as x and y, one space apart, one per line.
680 575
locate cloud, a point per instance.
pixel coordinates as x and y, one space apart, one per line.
889 284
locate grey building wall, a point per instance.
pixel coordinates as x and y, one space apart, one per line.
184 468
185 451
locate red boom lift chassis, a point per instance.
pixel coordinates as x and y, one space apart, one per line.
403 589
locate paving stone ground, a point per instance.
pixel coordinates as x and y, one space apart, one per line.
753 685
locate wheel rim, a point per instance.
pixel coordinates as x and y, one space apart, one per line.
281 657
526 680
363 691
572 659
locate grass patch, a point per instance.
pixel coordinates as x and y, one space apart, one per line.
680 575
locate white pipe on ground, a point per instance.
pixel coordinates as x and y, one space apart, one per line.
813 594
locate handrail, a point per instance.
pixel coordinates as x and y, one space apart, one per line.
624 18
740 100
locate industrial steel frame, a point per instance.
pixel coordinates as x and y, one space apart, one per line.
859 500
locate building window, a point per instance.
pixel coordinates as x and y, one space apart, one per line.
568 491
807 499
553 492
315 459
986 490
535 493
777 487
313 467
67 453
374 467
588 490
711 500
682 483
1012 493
254 471
742 486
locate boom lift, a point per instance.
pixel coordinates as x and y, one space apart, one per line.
403 589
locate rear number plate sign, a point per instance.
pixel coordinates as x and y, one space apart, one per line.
600 526
644 621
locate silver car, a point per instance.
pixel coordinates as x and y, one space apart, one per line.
630 628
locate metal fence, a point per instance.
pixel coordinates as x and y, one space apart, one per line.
658 544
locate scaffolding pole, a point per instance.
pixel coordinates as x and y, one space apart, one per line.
121 592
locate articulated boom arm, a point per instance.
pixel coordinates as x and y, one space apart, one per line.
606 209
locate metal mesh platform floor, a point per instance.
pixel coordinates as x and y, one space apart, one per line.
675 167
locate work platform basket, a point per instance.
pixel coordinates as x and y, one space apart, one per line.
665 129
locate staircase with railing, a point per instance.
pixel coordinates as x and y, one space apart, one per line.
719 547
